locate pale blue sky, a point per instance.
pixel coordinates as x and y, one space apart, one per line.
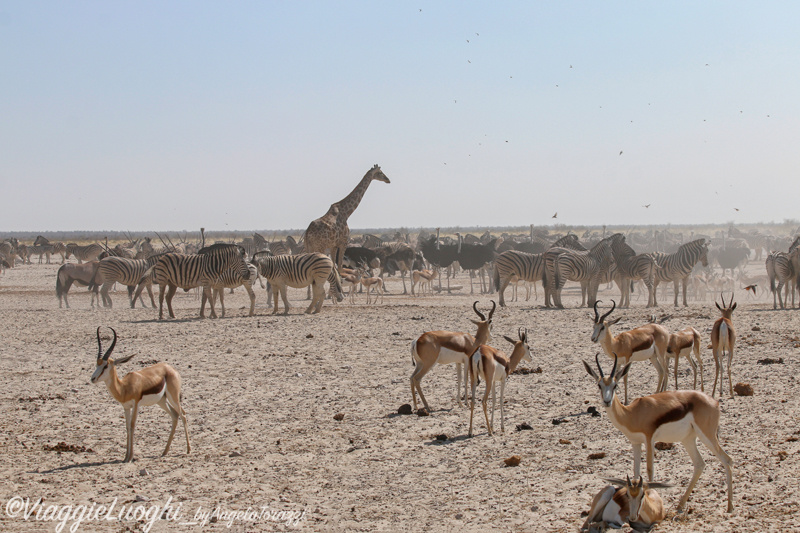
259 115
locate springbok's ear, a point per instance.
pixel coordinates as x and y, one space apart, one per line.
718 307
476 322
509 339
733 306
590 371
123 360
623 371
613 321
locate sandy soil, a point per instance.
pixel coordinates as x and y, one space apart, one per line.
261 394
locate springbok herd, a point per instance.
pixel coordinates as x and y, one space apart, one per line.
666 416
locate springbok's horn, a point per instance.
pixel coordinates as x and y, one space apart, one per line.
111 348
99 345
614 369
731 302
596 314
597 360
494 306
481 315
614 306
723 299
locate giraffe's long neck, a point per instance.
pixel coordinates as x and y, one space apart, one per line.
349 203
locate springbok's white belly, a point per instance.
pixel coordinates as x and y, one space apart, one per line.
644 355
674 431
152 399
611 514
447 357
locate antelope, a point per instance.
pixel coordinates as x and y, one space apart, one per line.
494 366
723 337
682 344
423 278
636 503
350 278
672 416
371 283
159 384
639 344
447 347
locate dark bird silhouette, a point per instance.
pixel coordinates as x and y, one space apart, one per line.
620 152
555 215
647 206
440 255
752 288
735 208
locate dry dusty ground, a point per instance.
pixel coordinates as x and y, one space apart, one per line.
261 394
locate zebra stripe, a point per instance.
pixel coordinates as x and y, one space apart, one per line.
84 253
230 279
631 267
677 266
130 272
526 267
298 271
175 270
40 250
584 267
784 267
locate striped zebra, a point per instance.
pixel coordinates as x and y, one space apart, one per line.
57 247
564 244
511 266
173 270
676 267
230 279
631 267
84 253
298 271
136 274
785 267
8 249
40 250
588 268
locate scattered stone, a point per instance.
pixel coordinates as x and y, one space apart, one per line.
782 455
458 516
524 427
770 361
592 410
310 336
791 439
523 370
143 472
64 447
441 437
557 421
743 389
405 409
513 460
664 446
338 417
564 441
756 328
598 455
422 412
140 498
235 454
229 350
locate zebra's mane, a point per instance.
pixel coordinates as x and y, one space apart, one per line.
220 246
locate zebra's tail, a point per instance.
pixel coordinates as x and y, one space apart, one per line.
336 284
496 278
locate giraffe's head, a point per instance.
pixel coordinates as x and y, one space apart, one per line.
377 174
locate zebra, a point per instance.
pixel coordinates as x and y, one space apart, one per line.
230 279
40 250
520 265
784 267
585 267
676 267
298 271
8 249
631 267
84 253
173 270
564 244
57 247
130 272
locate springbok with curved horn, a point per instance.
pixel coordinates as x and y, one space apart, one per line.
673 416
634 502
493 365
447 347
640 344
723 342
159 384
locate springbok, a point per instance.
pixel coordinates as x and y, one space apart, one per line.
447 347
672 416
682 344
636 503
159 384
494 366
723 339
639 344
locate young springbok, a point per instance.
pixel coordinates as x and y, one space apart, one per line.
636 503
159 384
639 344
682 344
494 366
723 338
371 283
672 416
447 347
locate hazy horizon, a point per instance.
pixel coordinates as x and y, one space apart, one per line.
261 114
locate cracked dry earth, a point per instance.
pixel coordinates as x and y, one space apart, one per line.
261 394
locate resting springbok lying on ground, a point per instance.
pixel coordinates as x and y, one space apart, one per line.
494 366
723 338
635 503
447 347
639 344
672 416
159 384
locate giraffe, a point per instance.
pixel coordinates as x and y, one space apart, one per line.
330 232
